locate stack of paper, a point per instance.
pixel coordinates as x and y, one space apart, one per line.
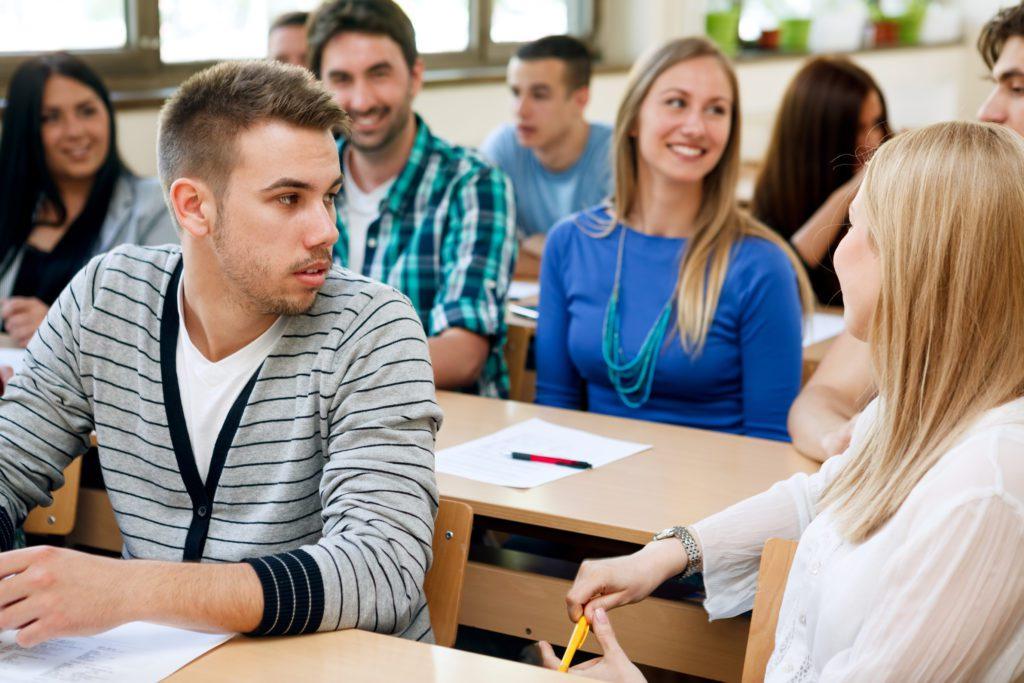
822 326
522 289
490 459
133 652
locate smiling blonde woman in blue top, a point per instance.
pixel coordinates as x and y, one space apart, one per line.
670 303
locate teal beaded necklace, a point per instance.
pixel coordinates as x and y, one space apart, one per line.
634 378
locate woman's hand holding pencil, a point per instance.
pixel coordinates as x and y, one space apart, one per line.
613 666
604 584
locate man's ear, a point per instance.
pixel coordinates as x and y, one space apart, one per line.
581 96
416 73
194 206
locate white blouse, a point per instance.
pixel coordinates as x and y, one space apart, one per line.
937 593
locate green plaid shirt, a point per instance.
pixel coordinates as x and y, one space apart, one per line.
445 237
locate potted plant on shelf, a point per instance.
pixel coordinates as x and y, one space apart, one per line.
721 22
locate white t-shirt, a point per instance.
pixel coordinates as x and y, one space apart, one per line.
360 209
208 389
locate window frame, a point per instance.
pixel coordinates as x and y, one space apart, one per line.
137 65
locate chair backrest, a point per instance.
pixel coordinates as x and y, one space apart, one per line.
771 584
58 518
443 584
516 347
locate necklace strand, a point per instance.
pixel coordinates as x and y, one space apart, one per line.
632 378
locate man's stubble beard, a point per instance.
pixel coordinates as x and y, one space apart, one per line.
250 275
403 119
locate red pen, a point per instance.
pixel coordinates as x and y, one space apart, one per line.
565 462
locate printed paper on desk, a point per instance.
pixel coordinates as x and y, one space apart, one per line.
489 459
822 326
134 652
522 289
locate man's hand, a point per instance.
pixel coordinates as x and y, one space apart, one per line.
54 592
22 317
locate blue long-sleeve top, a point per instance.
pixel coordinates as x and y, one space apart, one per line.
743 381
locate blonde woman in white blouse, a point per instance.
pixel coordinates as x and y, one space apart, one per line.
910 565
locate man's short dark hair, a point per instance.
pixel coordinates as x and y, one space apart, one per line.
1006 24
289 20
572 51
201 121
376 17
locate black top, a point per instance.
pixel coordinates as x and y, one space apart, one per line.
44 274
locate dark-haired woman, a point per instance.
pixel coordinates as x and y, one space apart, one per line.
65 194
832 119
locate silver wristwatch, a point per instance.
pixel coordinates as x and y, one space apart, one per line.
696 560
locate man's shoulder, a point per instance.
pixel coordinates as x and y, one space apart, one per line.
140 267
347 292
599 146
501 145
459 161
602 132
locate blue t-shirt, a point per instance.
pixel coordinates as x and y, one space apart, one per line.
544 197
749 371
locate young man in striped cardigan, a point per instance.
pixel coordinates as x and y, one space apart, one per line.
265 421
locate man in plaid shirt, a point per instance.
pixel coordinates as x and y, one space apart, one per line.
430 218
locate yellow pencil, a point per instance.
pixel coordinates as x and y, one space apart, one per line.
579 634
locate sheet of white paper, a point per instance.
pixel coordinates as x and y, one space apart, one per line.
13 357
520 289
134 652
822 326
489 459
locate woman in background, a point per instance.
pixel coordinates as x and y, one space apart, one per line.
671 304
832 119
65 194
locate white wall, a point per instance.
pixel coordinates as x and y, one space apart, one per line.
921 85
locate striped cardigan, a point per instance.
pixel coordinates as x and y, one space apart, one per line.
322 477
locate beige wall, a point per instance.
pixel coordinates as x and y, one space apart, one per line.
922 85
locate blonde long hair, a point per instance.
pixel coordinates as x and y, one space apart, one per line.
720 222
944 208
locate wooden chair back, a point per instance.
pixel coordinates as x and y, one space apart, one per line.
58 518
517 346
443 584
771 584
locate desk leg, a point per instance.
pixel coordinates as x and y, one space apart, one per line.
663 633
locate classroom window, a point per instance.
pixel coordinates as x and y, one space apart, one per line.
43 25
442 26
237 29
521 21
157 43
445 29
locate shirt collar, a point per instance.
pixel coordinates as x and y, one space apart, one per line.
404 188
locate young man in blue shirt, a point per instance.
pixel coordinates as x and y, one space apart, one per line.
558 162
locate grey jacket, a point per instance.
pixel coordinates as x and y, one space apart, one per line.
137 215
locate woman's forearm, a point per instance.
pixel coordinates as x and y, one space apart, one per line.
813 239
